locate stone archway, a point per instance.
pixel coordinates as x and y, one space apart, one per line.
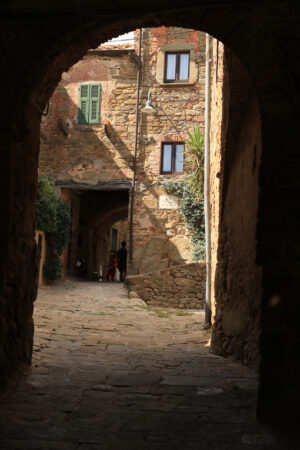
42 43
101 226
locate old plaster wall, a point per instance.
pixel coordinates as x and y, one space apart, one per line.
235 162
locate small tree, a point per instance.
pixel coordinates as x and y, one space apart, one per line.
46 205
54 218
52 268
195 162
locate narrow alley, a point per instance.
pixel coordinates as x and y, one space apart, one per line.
110 372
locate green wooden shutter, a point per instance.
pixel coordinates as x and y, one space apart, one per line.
83 110
94 107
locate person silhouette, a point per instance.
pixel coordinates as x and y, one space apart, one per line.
122 260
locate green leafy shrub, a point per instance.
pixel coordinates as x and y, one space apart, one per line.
54 218
52 268
46 205
192 209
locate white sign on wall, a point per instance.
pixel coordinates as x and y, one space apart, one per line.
168 202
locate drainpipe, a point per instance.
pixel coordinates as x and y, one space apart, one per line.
207 183
138 82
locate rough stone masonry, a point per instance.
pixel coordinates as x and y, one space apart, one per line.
180 286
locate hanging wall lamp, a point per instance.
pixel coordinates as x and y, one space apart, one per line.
149 108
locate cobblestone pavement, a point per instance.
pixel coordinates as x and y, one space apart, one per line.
110 373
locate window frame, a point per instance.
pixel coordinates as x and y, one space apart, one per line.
173 158
177 66
90 121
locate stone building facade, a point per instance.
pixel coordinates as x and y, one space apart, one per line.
41 40
93 133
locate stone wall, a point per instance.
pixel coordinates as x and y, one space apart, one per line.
86 155
158 225
40 240
235 162
88 152
41 41
182 286
218 125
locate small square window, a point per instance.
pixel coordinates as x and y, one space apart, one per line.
177 67
172 157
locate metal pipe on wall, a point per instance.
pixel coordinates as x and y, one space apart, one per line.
207 182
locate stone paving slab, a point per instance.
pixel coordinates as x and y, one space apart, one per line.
111 373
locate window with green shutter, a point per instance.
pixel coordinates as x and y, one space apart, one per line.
89 103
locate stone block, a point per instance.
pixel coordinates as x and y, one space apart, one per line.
166 288
185 282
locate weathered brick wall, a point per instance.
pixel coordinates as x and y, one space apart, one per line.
84 152
181 286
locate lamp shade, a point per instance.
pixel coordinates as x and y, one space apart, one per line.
149 108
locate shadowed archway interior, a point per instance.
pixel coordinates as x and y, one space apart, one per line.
40 42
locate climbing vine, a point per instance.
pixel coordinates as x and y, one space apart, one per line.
54 218
190 191
193 212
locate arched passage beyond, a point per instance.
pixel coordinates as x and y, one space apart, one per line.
42 43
